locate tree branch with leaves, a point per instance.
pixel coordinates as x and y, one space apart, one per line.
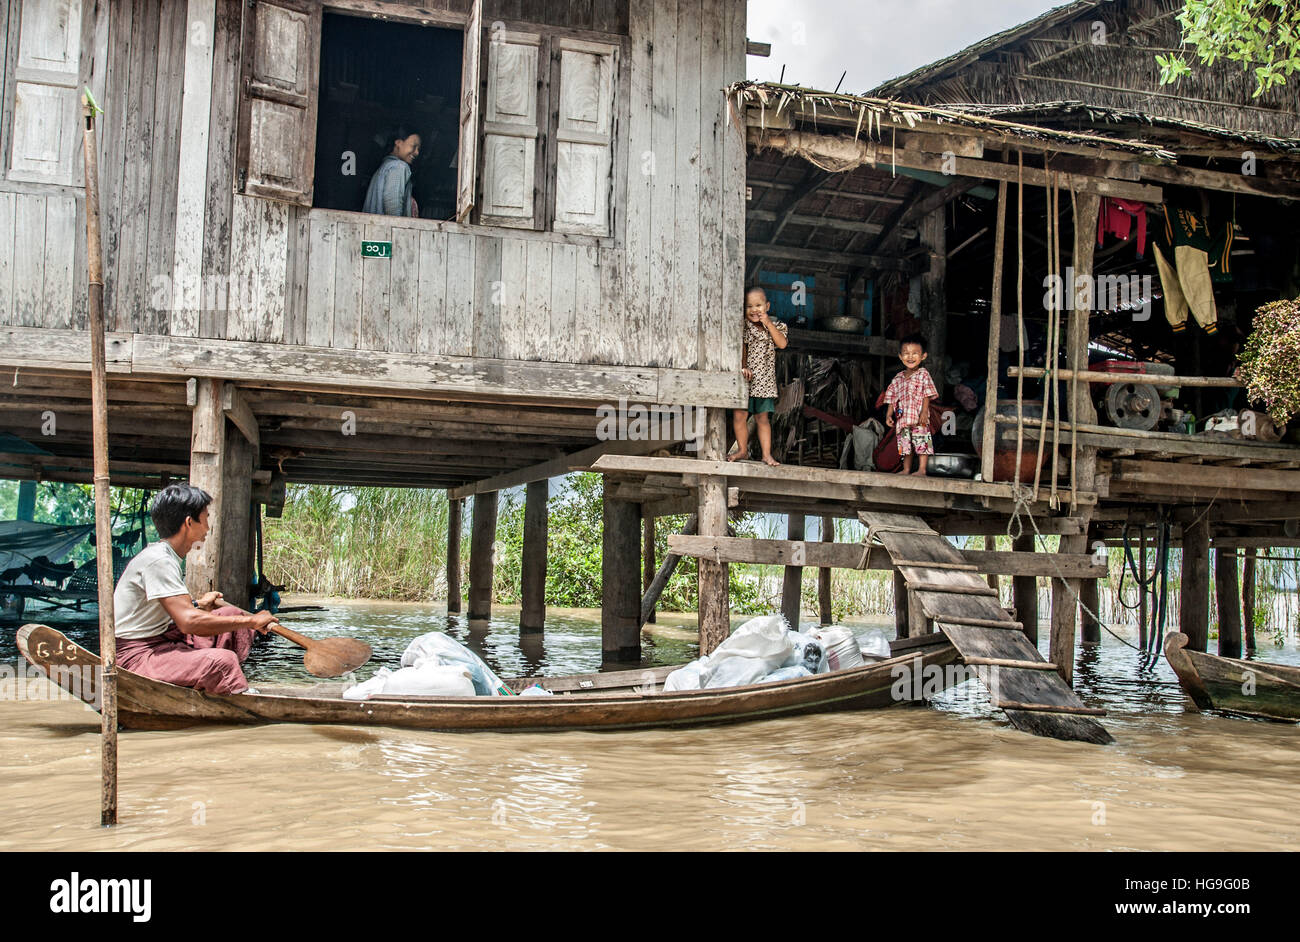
1262 36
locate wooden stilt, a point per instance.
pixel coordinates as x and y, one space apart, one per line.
1193 610
647 557
792 582
1229 601
1143 594
1248 598
917 623
26 501
1088 604
1065 606
454 508
901 621
482 538
235 564
1024 591
620 628
207 471
532 588
665 572
991 545
824 613
714 604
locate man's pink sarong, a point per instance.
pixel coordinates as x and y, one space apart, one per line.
207 662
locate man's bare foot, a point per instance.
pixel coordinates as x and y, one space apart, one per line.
769 460
735 455
918 471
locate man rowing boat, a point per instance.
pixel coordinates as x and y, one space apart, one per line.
161 631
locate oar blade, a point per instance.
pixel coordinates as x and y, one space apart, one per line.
333 657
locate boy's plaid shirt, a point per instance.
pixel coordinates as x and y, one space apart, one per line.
909 394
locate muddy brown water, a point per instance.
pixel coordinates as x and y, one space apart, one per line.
951 775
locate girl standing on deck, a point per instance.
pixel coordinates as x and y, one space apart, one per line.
763 337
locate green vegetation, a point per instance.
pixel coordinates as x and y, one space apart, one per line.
1262 36
1270 359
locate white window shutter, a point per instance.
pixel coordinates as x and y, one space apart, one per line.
584 136
278 100
46 111
471 56
510 130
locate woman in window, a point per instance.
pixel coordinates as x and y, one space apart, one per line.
390 188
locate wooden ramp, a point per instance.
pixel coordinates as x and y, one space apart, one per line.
966 609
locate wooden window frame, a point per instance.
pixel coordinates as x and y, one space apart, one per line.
93 22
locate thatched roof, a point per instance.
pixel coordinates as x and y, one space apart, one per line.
871 116
926 73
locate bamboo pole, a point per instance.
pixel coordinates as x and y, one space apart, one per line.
824 609
1248 598
107 687
1140 379
1020 312
995 339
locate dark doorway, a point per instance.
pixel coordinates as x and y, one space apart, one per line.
376 76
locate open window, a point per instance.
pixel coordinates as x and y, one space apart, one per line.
320 89
47 79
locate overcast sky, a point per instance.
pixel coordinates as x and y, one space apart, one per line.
874 40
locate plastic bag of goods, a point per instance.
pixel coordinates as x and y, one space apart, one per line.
786 673
686 677
427 680
444 650
874 644
808 652
841 647
536 690
759 646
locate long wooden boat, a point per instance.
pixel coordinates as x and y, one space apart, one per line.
1255 688
616 700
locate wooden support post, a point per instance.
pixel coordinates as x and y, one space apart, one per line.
620 598
1248 598
991 545
1065 607
933 302
482 538
647 557
714 603
1083 476
917 623
26 500
454 509
1229 600
901 620
532 587
665 572
235 564
1088 602
792 582
1024 591
995 338
824 613
1143 594
207 471
1193 610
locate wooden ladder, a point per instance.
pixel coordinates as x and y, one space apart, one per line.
966 609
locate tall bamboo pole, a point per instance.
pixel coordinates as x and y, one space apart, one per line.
103 522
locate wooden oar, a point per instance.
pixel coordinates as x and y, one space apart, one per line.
327 657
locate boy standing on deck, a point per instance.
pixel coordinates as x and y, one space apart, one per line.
163 633
763 337
909 397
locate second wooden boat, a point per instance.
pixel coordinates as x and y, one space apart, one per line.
1255 688
617 700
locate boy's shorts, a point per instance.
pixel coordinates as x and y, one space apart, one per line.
756 406
916 438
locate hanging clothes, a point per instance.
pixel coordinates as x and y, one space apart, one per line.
1191 256
1118 218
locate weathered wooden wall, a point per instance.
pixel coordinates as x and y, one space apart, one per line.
655 292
